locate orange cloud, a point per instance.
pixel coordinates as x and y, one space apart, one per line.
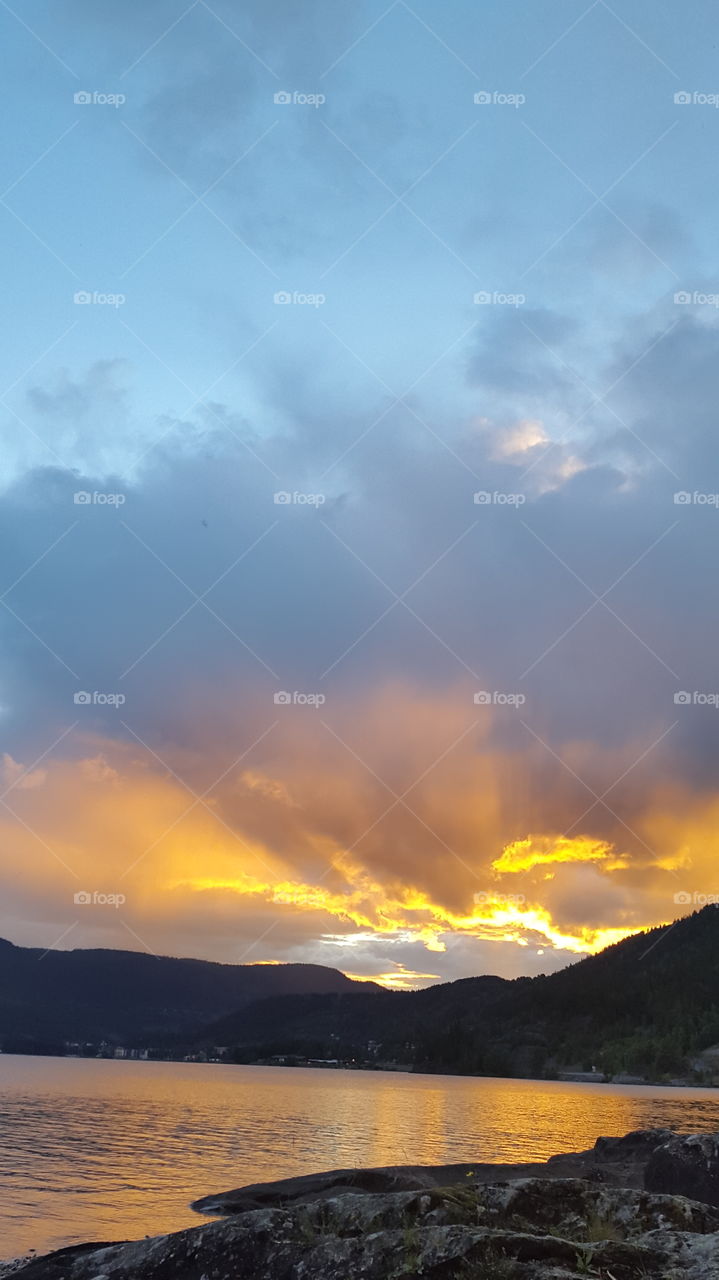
536 851
397 829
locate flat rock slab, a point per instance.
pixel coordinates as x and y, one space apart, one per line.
618 1161
453 1222
532 1229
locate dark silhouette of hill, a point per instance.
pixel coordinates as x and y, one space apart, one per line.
646 1005
128 997
345 1022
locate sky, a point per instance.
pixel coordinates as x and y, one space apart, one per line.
359 499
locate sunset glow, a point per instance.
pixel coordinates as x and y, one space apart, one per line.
357 535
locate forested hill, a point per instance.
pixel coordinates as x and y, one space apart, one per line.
131 998
647 1005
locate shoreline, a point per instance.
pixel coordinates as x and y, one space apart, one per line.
646 1203
568 1077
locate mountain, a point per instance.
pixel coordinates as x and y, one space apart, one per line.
47 997
342 1024
646 1006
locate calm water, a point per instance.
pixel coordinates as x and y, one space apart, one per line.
100 1150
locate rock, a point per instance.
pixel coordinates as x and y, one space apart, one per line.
686 1166
531 1229
619 1161
639 1144
581 1214
316 1186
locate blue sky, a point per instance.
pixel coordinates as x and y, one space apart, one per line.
383 198
495 189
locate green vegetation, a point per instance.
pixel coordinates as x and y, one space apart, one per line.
646 1007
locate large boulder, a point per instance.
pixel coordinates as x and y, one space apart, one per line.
581 1214
637 1145
532 1229
686 1165
619 1161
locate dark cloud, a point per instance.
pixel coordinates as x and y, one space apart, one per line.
181 597
295 599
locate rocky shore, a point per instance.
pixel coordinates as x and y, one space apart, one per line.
645 1205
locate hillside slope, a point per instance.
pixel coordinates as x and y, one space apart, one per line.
646 1005
128 996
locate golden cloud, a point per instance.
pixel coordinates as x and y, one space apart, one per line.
401 825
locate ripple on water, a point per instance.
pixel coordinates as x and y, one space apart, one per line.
102 1149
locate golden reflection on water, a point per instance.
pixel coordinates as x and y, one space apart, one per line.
104 1150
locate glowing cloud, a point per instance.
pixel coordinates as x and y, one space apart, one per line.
537 851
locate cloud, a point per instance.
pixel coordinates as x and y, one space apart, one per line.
524 855
378 815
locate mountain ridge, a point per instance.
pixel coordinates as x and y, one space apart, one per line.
105 994
648 1005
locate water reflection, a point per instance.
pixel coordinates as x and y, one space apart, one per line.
110 1150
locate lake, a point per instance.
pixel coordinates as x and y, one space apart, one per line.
105 1150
